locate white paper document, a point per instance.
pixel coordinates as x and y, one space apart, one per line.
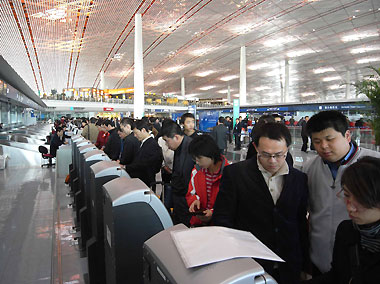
204 245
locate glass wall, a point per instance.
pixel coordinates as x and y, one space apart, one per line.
4 113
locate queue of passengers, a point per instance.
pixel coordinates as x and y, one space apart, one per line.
324 220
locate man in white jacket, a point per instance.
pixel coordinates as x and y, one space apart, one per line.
332 141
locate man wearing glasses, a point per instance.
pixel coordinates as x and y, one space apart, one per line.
268 197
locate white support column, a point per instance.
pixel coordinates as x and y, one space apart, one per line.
348 82
183 86
229 95
286 89
243 77
138 98
102 83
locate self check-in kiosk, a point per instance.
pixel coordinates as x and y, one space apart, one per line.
89 158
79 194
163 264
101 173
75 170
132 214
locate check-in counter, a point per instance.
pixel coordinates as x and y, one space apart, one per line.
163 264
132 215
101 173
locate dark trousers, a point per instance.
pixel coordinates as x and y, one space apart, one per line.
305 140
180 210
229 136
237 142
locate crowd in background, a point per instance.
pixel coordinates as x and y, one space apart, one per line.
323 220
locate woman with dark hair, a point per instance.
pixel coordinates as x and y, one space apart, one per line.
356 255
205 178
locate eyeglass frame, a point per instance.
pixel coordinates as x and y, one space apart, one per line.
276 156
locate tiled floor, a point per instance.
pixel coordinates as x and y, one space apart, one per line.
37 243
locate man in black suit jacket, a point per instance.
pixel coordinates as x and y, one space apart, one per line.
268 197
56 141
149 157
131 145
113 145
182 166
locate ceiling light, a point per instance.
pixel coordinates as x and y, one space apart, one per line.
229 78
201 51
52 14
224 91
323 70
279 41
258 66
333 78
368 60
191 95
206 88
262 88
242 29
236 96
300 52
205 73
155 83
174 69
358 36
308 94
364 49
335 87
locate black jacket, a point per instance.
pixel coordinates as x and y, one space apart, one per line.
219 133
55 142
347 242
130 148
182 167
113 145
245 203
237 129
148 159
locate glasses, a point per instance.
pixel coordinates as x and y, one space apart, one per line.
277 156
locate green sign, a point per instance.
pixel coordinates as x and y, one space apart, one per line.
236 109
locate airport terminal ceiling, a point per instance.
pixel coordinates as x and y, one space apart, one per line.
65 43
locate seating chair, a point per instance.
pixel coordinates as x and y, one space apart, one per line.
46 156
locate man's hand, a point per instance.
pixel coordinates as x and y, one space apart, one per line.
195 206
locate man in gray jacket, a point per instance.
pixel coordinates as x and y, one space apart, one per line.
332 141
219 133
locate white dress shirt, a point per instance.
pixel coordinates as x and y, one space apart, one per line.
274 182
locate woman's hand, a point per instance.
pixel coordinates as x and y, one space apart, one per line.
195 206
207 217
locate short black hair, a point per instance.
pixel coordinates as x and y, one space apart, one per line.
362 179
143 123
265 118
221 119
170 128
326 119
92 120
274 131
108 122
127 120
186 115
58 129
204 145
